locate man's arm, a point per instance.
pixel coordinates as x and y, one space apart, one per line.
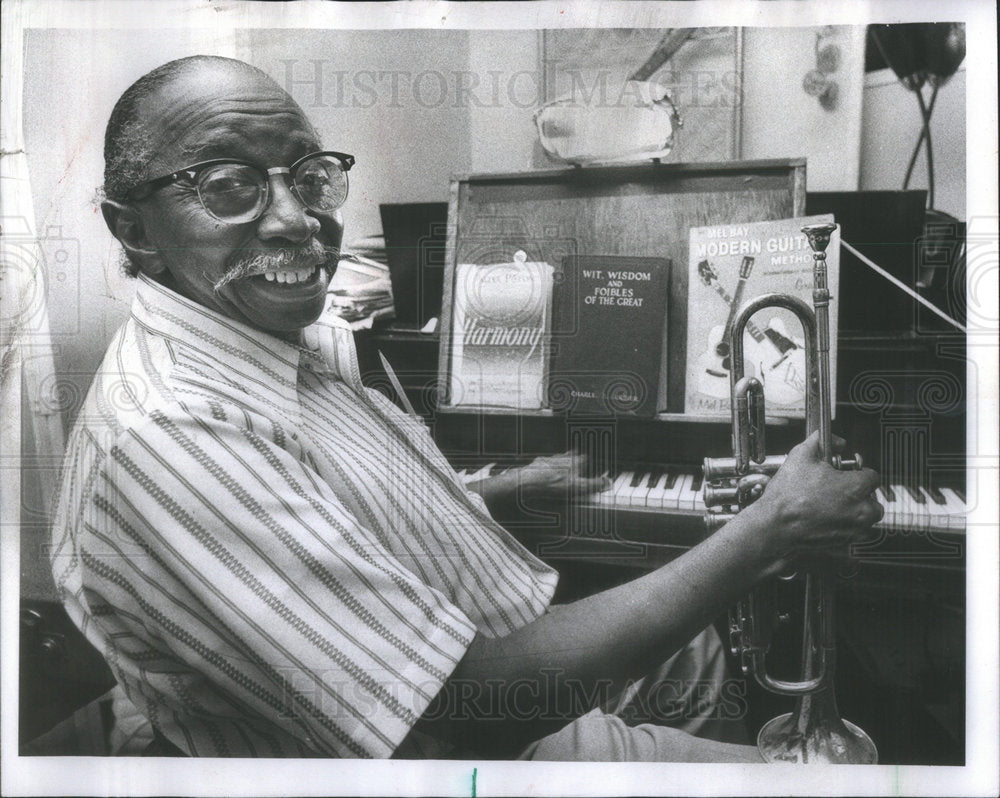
606 639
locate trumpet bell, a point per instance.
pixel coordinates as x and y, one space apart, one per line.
825 741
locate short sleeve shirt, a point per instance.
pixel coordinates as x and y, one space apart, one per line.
274 560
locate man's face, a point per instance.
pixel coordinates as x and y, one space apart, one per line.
230 113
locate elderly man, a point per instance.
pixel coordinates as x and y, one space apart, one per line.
274 560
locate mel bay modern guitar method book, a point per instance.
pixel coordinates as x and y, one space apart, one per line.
729 265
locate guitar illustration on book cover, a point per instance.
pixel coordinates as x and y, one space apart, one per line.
772 356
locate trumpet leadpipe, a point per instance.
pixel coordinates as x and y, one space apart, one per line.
715 520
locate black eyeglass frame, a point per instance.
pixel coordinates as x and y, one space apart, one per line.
191 173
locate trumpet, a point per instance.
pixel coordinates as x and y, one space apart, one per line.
814 731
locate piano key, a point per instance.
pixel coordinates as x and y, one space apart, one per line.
907 518
917 509
937 512
955 504
610 496
688 499
699 496
935 495
663 493
639 489
641 493
625 489
607 497
891 516
654 499
671 497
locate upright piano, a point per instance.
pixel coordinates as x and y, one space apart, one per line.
901 404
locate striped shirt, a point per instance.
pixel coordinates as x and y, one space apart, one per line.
274 560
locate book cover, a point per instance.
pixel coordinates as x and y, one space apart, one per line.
608 349
499 335
729 265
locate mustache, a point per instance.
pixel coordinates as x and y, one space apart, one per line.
253 262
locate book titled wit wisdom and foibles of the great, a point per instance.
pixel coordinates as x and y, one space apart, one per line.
729 265
608 321
500 335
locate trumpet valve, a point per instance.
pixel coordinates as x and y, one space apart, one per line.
848 464
751 488
720 495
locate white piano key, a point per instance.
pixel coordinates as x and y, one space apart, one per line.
623 496
938 515
699 499
641 494
688 497
956 509
654 499
610 496
891 516
906 515
671 497
918 507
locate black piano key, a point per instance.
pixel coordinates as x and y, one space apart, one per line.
915 494
671 480
936 495
696 485
636 479
890 494
960 492
654 477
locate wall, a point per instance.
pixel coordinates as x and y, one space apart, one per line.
781 121
391 98
72 80
891 119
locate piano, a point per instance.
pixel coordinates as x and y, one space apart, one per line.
900 404
676 492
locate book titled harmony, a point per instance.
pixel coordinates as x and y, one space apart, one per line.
608 353
729 265
500 335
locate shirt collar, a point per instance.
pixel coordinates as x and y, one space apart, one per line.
240 350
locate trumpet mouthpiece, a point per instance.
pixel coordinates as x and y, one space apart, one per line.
819 235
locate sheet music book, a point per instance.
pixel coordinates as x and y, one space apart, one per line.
729 265
499 335
609 316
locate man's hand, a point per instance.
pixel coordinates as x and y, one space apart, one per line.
559 476
810 506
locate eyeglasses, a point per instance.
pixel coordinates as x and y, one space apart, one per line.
237 192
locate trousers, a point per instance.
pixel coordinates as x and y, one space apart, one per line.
688 710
